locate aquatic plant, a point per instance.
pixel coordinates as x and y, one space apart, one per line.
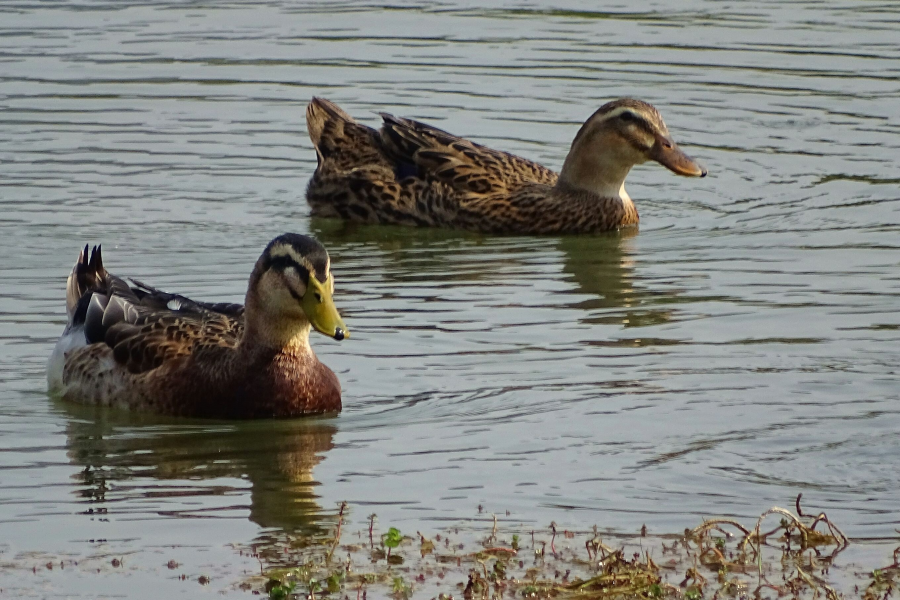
720 557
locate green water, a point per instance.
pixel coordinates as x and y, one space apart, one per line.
741 348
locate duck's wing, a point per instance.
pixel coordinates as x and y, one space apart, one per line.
143 326
157 337
152 297
407 173
464 165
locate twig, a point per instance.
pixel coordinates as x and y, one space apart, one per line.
758 554
785 513
337 533
553 538
769 585
493 530
597 545
713 523
815 583
496 550
834 529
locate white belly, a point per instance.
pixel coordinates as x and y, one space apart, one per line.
71 339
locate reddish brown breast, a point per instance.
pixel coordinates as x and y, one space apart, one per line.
296 386
268 384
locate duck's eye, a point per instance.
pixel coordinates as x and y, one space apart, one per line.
628 117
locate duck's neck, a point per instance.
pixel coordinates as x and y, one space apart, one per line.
600 172
274 335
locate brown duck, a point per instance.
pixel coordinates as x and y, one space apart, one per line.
409 173
138 348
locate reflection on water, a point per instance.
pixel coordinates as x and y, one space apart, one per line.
602 267
737 350
144 457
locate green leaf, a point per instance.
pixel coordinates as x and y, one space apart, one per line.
392 538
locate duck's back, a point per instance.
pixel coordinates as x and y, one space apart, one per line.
410 173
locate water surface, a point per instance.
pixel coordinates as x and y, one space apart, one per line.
741 348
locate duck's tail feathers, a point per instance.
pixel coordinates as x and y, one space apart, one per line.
319 113
96 299
87 276
341 143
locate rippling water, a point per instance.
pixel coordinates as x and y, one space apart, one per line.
740 349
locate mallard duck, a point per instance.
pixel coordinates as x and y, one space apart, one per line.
410 173
136 347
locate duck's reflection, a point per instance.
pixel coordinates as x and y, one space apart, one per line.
165 460
602 267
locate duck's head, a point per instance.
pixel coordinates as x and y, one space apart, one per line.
619 135
290 289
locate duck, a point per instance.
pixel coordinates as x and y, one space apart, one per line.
134 347
410 173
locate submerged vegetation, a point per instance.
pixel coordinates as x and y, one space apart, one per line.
719 558
781 554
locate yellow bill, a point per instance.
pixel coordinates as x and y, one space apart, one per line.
321 311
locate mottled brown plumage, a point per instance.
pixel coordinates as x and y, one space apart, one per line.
410 173
139 348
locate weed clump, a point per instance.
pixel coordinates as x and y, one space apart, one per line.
718 559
